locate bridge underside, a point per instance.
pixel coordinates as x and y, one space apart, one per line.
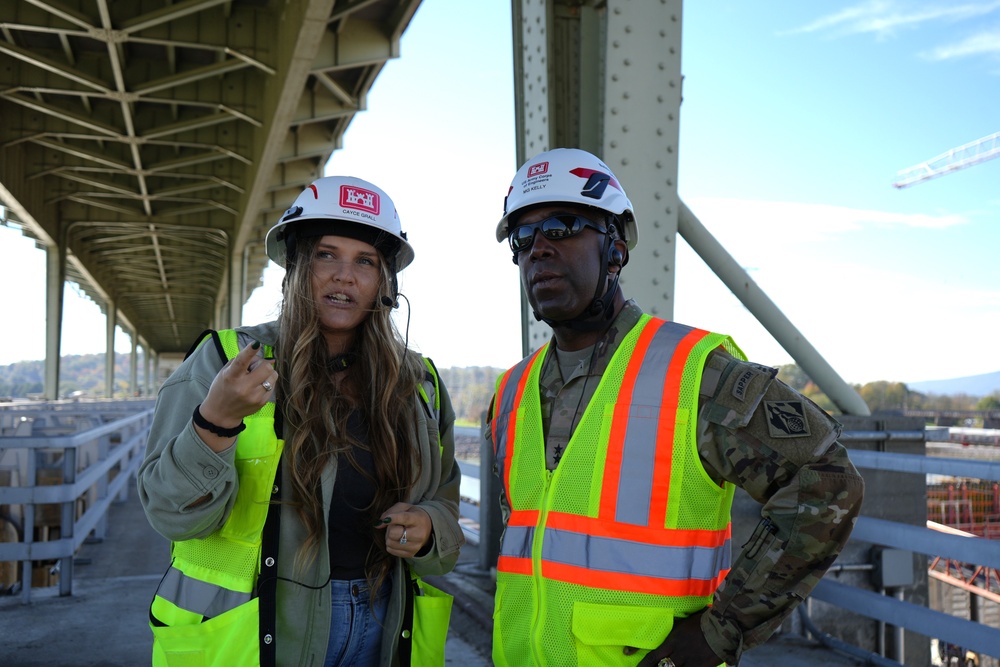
152 143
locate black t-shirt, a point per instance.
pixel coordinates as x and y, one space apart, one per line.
351 537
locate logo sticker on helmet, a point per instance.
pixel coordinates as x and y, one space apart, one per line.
359 199
538 169
292 213
597 182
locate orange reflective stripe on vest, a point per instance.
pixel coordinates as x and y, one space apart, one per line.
630 544
629 508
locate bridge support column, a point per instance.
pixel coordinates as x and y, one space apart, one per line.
109 343
147 361
133 380
608 79
237 280
55 275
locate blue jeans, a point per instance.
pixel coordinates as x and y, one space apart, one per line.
355 632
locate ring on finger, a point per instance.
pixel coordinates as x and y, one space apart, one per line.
666 662
266 384
402 540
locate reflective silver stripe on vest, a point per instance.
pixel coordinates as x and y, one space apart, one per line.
505 410
198 596
607 554
517 541
635 488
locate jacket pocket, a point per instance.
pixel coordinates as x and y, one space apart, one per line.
255 466
226 640
602 631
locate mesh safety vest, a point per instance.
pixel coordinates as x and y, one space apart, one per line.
629 531
206 611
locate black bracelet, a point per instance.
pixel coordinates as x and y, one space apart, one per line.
200 420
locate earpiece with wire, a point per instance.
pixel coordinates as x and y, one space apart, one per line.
615 257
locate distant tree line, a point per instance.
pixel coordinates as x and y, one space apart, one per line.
470 388
882 396
77 373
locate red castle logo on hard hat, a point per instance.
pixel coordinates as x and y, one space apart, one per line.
359 199
538 169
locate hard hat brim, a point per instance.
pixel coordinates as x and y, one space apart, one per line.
274 242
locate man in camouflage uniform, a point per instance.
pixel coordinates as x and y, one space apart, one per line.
753 431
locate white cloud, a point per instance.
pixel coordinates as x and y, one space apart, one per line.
883 17
868 322
808 222
983 43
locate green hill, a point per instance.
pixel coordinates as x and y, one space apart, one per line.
974 385
470 388
78 373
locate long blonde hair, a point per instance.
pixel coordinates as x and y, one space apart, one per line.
383 380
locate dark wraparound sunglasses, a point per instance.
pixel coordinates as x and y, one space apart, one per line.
556 228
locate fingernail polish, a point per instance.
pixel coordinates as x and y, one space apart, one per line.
256 344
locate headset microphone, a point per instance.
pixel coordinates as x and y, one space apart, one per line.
392 301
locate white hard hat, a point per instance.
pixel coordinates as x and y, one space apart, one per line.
327 203
568 176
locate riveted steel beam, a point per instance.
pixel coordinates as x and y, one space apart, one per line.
606 77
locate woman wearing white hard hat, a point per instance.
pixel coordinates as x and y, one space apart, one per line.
304 468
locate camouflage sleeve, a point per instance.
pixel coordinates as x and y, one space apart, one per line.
781 448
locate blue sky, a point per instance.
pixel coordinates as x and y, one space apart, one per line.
795 121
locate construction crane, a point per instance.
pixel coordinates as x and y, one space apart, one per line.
955 159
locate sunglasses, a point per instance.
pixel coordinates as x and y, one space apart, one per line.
556 228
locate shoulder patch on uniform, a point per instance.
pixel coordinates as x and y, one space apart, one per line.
743 380
786 419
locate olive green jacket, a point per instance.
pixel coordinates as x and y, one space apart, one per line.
180 468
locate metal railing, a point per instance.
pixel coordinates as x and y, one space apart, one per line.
868 603
971 635
120 441
88 453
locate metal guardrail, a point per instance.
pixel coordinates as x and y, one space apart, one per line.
870 604
117 446
968 634
127 455
468 506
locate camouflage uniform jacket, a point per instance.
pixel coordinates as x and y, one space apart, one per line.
762 436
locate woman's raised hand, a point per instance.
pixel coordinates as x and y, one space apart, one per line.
241 388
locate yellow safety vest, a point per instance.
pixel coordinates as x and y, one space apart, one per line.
206 611
629 532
